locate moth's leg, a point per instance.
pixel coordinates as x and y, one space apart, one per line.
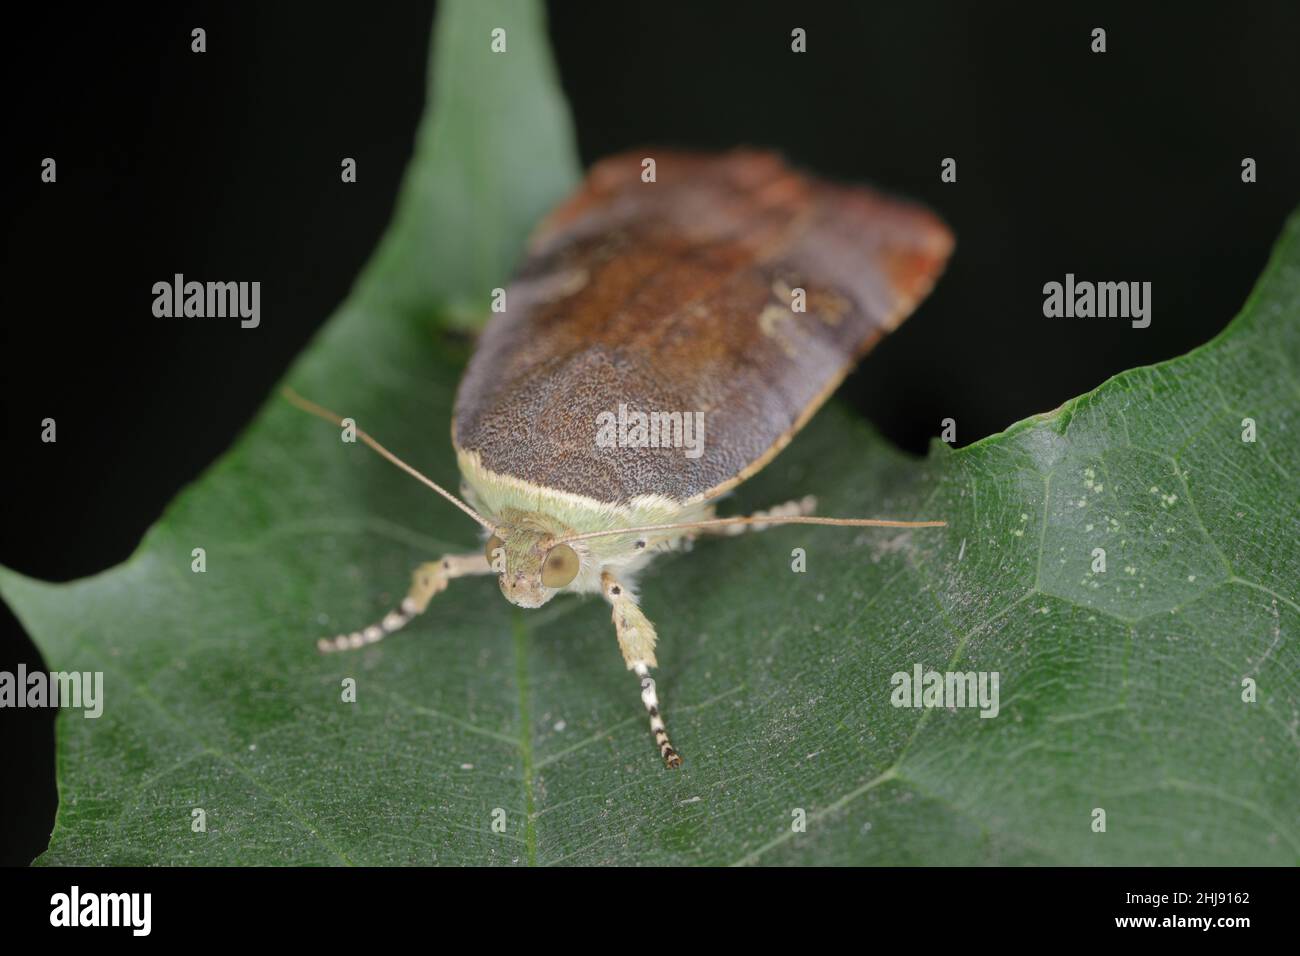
426 580
636 639
791 509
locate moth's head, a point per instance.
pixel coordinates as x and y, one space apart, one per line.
531 566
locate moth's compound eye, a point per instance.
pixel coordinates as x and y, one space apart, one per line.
496 554
560 567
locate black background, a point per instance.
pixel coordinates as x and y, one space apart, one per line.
1115 166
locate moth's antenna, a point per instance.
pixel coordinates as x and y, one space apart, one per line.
759 519
321 412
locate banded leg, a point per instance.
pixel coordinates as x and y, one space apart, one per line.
427 580
791 509
636 639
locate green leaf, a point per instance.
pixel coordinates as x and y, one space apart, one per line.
1120 690
494 153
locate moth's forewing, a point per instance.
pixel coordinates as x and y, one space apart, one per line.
680 295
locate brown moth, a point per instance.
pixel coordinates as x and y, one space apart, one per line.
661 343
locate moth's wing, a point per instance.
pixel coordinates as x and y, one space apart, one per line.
679 295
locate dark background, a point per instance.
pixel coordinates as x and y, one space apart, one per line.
1120 166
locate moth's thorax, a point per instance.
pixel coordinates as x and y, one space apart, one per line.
529 519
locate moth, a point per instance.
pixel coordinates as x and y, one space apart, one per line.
728 296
